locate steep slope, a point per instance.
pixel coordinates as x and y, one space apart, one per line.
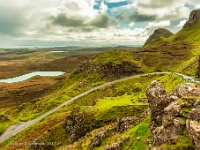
116 116
189 35
158 35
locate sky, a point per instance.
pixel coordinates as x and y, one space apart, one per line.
88 22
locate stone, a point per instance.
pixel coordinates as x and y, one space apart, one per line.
193 128
158 100
116 146
124 123
96 141
166 113
74 125
189 89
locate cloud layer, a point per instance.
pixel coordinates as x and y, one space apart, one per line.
89 21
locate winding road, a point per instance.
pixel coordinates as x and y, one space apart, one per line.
13 130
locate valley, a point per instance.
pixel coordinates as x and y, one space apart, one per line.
109 98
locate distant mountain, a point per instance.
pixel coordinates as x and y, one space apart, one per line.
159 33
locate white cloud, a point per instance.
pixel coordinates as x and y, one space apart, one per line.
158 24
197 7
181 23
131 24
49 20
112 1
171 9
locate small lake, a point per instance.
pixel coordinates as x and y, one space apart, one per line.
30 75
59 51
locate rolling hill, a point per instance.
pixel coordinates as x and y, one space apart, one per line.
118 116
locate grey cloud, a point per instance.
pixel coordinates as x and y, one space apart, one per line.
11 23
78 24
62 20
104 21
142 18
136 17
156 3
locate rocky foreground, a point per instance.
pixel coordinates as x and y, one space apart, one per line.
174 116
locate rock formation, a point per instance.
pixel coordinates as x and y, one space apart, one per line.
124 123
174 114
75 125
158 33
198 69
194 16
116 146
96 141
109 70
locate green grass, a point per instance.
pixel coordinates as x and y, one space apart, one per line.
138 136
183 142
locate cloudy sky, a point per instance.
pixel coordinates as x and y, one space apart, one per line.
88 22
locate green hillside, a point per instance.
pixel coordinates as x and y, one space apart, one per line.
115 115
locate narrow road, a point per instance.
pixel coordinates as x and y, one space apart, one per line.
12 131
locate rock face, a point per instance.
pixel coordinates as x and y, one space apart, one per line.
170 116
193 124
198 69
75 125
116 146
109 70
96 141
124 123
161 32
194 16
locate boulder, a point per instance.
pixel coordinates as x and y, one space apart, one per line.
124 123
98 138
171 117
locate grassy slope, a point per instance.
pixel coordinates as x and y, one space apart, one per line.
116 101
187 35
155 57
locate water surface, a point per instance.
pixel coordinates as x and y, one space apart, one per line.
30 75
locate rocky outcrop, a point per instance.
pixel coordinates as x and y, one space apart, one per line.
124 123
116 146
109 70
193 124
74 125
158 33
194 16
169 113
198 69
96 141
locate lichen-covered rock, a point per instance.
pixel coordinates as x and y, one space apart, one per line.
74 125
116 146
158 100
96 141
124 123
189 89
175 113
172 111
193 128
193 125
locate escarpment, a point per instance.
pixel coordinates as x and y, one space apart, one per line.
194 16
